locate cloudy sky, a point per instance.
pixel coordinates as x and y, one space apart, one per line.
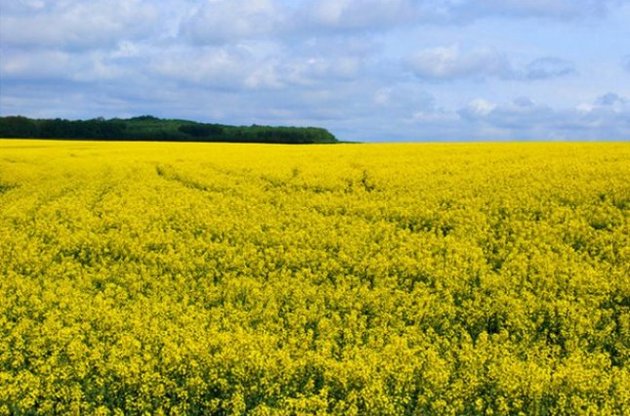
371 70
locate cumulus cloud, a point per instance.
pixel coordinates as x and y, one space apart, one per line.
549 67
218 67
370 14
611 99
220 21
353 66
446 63
508 115
29 65
88 24
555 9
359 14
409 98
606 118
449 63
477 108
255 67
76 24
313 69
524 102
49 65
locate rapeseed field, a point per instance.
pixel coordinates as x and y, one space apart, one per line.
229 279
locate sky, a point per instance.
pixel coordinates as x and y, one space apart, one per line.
367 70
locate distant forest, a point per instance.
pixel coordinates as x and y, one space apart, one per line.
149 128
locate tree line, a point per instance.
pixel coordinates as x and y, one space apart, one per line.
149 128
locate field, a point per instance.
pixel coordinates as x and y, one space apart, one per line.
403 279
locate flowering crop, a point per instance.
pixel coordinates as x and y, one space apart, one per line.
144 278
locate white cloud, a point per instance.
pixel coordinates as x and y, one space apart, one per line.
477 109
31 65
363 68
446 63
611 99
210 67
524 102
554 9
254 66
450 63
317 69
221 21
360 14
523 119
406 99
379 14
23 6
77 24
549 67
49 65
98 23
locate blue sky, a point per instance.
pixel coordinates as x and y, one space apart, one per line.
372 70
